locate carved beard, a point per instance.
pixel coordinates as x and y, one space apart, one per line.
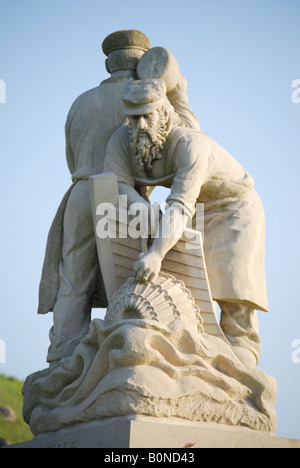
146 144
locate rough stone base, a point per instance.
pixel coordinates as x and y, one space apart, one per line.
145 432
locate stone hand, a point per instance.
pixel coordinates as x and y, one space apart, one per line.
147 267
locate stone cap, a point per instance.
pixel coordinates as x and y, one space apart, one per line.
143 96
127 39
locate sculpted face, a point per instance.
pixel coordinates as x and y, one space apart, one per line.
148 133
142 122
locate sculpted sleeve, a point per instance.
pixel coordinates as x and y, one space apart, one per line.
191 161
117 158
179 100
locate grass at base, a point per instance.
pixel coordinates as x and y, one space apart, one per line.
10 395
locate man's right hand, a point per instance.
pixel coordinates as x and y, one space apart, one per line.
147 267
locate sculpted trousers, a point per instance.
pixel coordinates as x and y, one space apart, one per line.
79 275
240 325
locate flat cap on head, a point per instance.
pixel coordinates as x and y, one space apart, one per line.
127 39
143 96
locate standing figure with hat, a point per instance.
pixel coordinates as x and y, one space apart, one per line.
71 283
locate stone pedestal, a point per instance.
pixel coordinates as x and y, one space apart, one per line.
149 433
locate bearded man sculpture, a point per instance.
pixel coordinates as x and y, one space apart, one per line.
152 355
71 283
151 150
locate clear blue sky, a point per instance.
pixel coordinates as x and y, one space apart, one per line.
240 58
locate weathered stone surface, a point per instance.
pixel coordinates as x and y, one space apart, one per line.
150 357
157 433
160 352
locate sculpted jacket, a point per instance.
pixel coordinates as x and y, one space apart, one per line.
91 121
201 171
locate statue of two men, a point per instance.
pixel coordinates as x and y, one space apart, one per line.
71 283
156 142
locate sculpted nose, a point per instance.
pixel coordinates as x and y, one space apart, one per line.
142 124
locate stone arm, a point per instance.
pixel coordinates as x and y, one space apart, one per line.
179 100
192 163
171 227
132 195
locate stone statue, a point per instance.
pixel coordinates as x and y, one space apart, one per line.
150 357
150 149
71 283
159 353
